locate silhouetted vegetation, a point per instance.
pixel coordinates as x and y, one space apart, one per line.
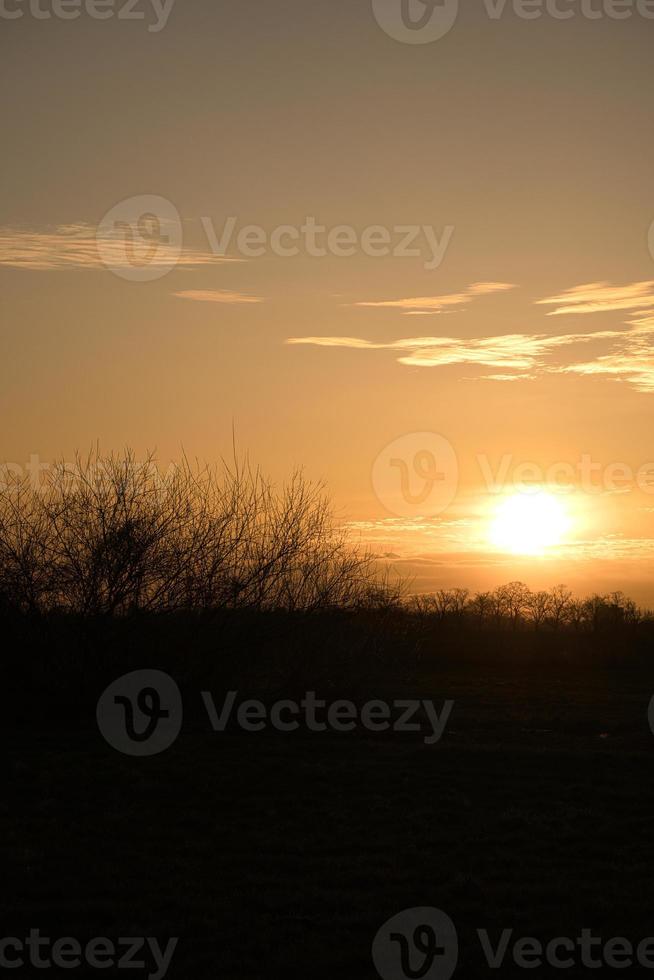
539 788
112 536
514 605
107 564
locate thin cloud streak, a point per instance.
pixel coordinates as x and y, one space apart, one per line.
632 358
518 352
601 297
437 303
75 248
524 357
217 296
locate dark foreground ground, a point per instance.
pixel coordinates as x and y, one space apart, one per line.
281 855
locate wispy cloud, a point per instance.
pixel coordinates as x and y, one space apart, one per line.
217 296
631 359
80 247
436 304
623 354
508 377
638 370
517 352
601 297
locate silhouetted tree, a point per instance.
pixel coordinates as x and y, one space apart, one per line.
109 536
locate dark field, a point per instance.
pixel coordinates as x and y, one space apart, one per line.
281 855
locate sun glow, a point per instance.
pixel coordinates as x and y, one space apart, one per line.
530 523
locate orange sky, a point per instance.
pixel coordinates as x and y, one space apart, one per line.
519 152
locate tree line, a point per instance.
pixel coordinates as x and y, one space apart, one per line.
111 536
517 606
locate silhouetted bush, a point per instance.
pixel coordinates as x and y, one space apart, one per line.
111 536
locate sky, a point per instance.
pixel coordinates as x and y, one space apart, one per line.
411 260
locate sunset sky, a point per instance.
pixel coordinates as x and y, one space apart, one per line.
521 152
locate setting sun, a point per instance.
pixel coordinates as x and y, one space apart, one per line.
529 523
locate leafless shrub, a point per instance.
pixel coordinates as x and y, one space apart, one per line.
110 536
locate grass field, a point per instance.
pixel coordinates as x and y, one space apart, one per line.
274 855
